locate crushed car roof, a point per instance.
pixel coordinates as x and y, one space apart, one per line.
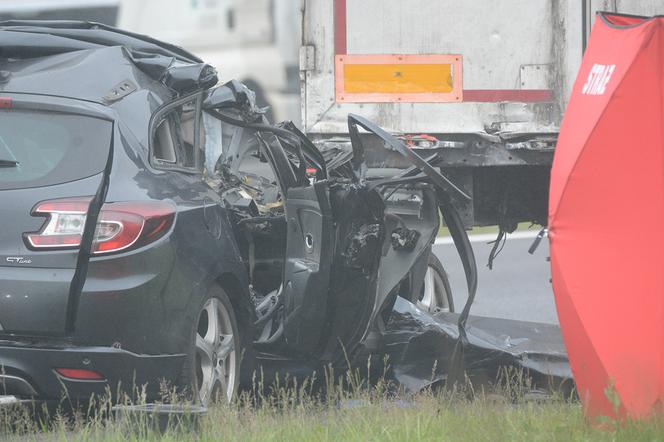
38 38
89 61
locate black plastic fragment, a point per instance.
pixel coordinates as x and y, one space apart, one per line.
420 347
538 239
404 238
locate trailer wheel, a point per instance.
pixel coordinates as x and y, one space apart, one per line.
435 295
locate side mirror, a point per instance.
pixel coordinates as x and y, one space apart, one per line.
232 95
186 78
179 77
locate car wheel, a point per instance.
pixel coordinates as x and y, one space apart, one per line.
435 295
213 366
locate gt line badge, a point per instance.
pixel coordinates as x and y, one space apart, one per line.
18 260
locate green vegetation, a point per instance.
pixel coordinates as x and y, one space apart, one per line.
443 231
360 413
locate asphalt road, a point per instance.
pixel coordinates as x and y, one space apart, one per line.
518 287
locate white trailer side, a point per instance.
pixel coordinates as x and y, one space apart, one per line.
520 59
495 108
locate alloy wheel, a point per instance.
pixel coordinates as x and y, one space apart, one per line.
434 295
215 353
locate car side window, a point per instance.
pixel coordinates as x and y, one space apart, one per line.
218 138
177 139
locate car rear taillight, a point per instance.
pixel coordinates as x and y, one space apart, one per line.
132 224
64 226
120 226
5 103
79 374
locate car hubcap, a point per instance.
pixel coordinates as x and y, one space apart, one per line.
215 352
433 297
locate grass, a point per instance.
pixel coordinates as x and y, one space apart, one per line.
444 231
361 413
425 417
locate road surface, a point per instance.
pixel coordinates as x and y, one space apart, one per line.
518 287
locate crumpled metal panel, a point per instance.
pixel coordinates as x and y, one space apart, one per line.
176 68
35 38
420 346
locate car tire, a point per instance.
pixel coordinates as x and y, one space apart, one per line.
212 368
435 295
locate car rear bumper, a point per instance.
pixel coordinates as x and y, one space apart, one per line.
28 371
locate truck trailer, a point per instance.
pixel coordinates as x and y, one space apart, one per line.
485 84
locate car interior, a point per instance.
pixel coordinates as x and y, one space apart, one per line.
250 187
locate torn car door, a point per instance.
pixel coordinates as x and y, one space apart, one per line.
310 245
308 253
395 262
307 264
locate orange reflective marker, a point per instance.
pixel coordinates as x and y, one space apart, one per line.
398 78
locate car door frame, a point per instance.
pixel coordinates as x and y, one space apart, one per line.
310 237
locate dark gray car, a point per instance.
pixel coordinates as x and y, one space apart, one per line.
156 228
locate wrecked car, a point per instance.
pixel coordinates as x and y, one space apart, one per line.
159 231
156 228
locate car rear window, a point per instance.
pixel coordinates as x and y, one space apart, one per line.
46 148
